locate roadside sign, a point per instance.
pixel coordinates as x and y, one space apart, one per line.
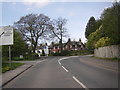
46 50
6 35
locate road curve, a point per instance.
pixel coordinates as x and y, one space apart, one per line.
47 74
91 75
70 72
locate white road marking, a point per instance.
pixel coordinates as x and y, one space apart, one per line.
64 68
83 86
59 62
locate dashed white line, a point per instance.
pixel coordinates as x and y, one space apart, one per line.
64 68
83 86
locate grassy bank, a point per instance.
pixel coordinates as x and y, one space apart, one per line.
6 67
113 59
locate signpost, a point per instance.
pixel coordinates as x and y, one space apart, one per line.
46 50
6 35
6 38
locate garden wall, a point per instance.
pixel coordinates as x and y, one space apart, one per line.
108 52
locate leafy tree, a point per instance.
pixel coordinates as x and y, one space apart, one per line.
20 47
98 23
93 38
110 22
59 31
108 33
33 27
91 27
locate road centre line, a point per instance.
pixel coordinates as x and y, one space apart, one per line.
64 68
81 84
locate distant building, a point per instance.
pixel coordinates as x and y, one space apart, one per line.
53 48
41 48
70 45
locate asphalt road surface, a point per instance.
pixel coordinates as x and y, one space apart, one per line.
62 72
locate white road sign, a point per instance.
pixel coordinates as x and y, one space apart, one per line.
46 50
6 35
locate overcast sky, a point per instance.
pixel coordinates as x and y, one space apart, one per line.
77 13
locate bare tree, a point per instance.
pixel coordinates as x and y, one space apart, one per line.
59 31
33 27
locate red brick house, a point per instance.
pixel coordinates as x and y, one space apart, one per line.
70 45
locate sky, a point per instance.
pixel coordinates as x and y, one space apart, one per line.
76 13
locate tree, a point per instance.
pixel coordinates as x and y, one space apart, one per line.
93 38
91 27
59 31
33 27
110 23
20 47
108 32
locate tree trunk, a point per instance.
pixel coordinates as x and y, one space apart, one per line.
61 46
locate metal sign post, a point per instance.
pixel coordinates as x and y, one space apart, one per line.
6 38
10 56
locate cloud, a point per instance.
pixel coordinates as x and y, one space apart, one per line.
61 10
28 9
71 14
36 3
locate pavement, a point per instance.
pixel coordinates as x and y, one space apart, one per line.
12 74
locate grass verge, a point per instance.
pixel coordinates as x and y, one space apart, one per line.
113 59
6 67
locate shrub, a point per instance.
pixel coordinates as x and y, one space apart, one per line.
104 41
65 53
55 54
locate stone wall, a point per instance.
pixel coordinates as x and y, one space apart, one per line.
108 51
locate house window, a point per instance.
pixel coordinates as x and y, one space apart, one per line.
66 46
56 48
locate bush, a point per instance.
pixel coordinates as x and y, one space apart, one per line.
104 41
55 54
65 53
62 53
31 56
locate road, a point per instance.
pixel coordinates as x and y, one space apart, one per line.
70 72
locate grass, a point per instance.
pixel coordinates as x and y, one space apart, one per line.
113 59
6 67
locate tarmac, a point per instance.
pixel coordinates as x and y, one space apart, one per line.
12 74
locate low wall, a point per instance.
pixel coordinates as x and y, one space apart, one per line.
108 51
